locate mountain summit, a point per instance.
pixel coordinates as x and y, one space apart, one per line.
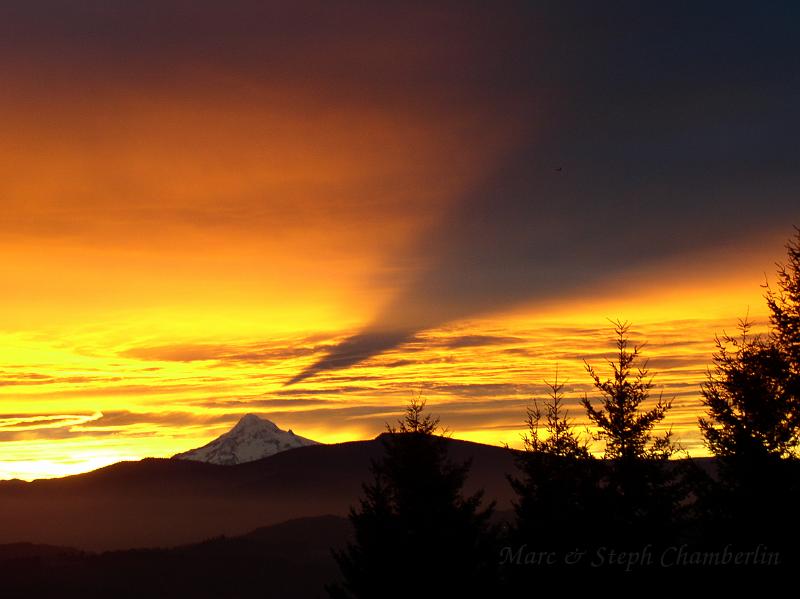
251 439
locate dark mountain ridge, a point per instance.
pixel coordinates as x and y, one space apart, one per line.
289 560
166 502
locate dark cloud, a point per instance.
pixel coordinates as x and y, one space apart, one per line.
478 341
684 343
360 347
15 382
35 434
59 426
248 403
401 363
35 376
40 426
347 379
143 390
221 353
23 379
26 421
340 50
661 129
124 418
328 391
674 362
177 353
523 351
354 350
482 389
12 379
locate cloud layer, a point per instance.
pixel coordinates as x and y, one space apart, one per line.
661 133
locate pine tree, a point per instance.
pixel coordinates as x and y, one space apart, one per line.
641 493
556 492
560 440
752 394
752 424
752 413
784 307
622 425
415 532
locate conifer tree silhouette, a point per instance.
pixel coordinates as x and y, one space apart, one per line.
641 494
560 439
752 413
784 307
555 468
753 391
556 491
622 425
752 424
415 532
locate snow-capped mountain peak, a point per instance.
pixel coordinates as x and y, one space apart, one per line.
251 421
252 438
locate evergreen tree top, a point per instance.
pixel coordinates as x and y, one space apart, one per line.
622 424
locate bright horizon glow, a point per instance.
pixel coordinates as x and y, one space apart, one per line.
87 397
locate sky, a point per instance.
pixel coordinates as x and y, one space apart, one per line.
314 211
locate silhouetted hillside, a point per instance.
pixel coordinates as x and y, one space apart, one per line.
163 502
288 560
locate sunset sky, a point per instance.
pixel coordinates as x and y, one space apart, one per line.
315 210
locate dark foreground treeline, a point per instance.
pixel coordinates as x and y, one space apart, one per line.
631 513
577 520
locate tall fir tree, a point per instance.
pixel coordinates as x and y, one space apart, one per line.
559 438
752 393
642 495
784 307
622 425
752 415
556 489
752 423
415 531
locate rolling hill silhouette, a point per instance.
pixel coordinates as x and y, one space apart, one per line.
288 560
167 502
